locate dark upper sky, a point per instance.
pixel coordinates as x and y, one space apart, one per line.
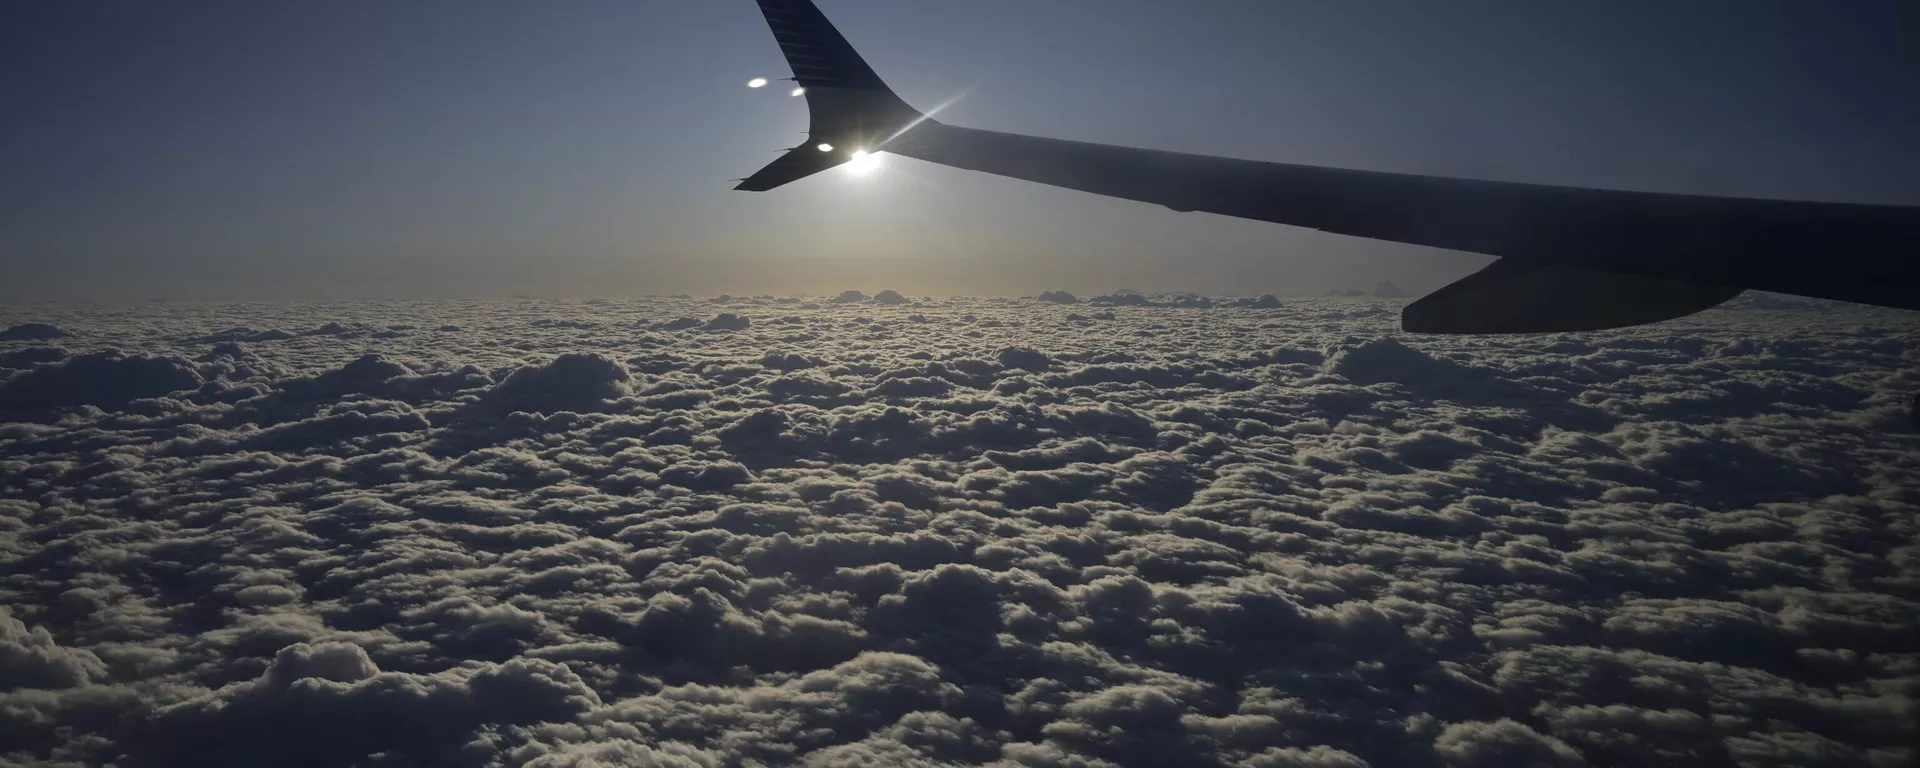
247 149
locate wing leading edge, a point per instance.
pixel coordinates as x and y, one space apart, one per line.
1582 259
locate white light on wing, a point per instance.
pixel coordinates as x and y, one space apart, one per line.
798 92
863 163
825 147
757 82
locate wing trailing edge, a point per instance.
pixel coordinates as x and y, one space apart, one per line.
798 163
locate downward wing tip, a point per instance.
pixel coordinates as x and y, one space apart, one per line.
1514 297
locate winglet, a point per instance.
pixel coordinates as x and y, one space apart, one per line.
819 55
849 108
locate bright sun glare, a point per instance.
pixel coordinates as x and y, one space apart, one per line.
756 82
863 163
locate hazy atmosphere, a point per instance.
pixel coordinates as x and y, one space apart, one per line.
243 150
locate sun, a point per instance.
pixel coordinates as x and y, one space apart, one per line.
863 163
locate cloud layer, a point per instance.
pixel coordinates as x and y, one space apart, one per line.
1164 530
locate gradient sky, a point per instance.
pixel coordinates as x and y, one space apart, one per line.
238 149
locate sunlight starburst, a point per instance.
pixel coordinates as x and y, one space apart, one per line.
863 163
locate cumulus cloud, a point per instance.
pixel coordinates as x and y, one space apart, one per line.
30 356
1502 742
31 659
329 703
107 379
728 321
570 382
32 332
1179 530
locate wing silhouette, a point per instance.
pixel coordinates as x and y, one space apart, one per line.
1570 258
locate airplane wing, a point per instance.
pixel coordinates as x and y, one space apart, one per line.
1571 259
798 163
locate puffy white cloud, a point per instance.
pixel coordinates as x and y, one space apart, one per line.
953 531
728 321
107 379
573 381
29 658
1501 742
